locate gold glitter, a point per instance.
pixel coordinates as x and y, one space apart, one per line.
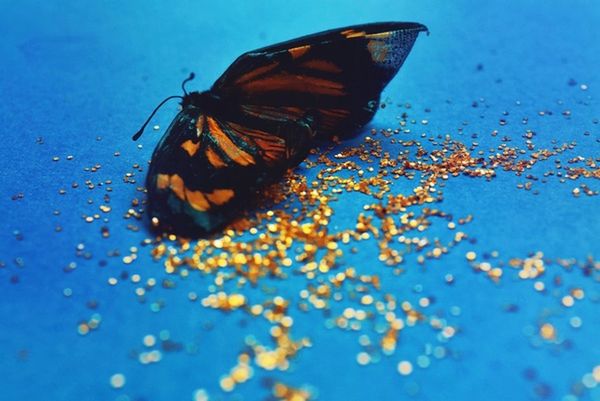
363 358
83 329
298 232
149 340
405 368
548 332
117 380
568 301
200 395
284 392
596 373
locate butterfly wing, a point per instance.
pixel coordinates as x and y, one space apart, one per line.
205 167
260 117
336 75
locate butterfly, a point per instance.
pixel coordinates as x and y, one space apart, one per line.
263 115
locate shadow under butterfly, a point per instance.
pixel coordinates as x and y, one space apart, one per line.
263 115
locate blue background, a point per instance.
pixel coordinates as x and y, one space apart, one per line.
74 71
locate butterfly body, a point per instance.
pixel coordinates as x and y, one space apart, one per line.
261 117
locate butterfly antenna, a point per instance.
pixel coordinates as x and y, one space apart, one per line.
141 130
185 81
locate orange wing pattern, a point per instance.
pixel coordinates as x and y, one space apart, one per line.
205 167
228 142
337 75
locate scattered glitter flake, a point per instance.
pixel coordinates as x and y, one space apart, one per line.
405 368
575 322
17 196
200 395
149 340
227 383
223 301
568 301
295 233
284 392
548 332
149 357
83 329
239 373
588 381
117 380
363 358
423 361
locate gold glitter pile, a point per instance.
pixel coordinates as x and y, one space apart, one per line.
384 195
294 237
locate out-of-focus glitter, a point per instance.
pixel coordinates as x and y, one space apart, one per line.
117 380
295 235
405 368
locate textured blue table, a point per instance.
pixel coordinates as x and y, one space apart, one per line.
78 78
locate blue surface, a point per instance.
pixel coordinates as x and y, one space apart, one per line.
72 72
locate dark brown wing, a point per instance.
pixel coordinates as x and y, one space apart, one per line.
336 76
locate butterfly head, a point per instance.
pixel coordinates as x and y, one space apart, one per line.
185 98
206 101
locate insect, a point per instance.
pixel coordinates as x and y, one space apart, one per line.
262 116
